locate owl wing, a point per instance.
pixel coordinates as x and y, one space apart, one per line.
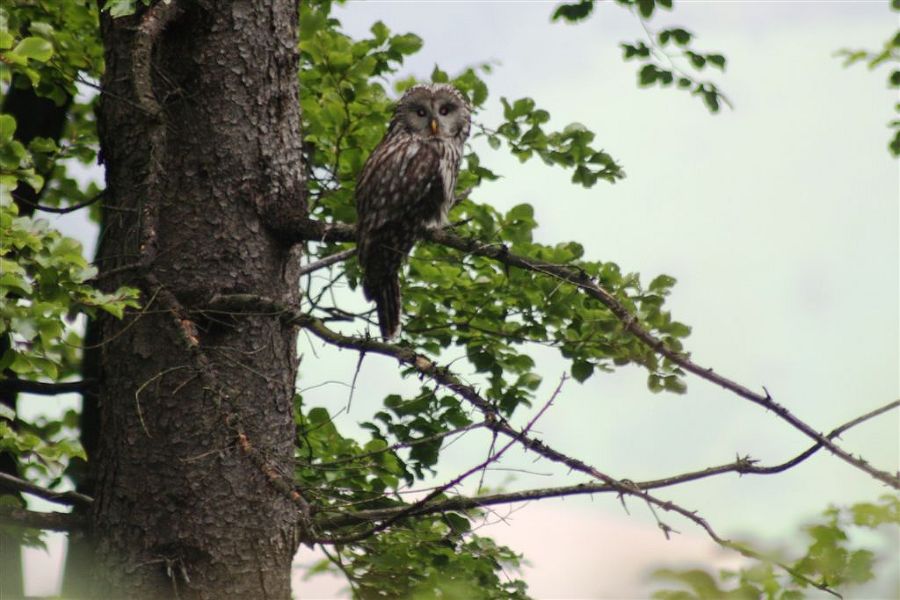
398 182
400 189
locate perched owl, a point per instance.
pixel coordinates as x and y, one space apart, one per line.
406 187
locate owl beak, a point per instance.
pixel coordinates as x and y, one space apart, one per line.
434 127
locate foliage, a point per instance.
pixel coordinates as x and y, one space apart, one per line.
666 55
45 279
431 557
889 53
75 59
829 560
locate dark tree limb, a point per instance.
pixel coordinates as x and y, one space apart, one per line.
10 482
40 387
48 521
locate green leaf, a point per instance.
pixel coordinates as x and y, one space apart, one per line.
661 283
582 370
717 60
682 36
408 43
439 76
573 12
675 385
895 79
7 412
458 524
380 31
645 7
647 75
120 8
35 48
7 128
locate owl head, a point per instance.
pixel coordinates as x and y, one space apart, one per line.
433 111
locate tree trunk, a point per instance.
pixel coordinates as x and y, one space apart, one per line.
200 133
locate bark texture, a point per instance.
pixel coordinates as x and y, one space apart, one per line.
200 133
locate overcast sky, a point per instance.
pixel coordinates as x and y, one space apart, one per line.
780 221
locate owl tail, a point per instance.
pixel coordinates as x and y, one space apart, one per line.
387 300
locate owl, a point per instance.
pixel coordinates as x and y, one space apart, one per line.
406 187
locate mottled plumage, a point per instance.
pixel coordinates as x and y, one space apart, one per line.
407 187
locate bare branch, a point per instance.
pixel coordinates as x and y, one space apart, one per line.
741 466
313 230
50 521
9 482
327 261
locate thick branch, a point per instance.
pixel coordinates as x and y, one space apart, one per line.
51 521
10 482
41 388
153 23
313 230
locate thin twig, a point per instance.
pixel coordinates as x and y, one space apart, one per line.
68 209
327 261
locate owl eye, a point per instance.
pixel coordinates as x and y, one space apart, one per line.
421 112
446 109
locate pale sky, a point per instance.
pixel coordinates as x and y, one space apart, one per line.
779 220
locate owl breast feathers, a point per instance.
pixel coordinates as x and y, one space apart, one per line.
406 187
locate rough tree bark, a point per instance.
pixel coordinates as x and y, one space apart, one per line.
200 133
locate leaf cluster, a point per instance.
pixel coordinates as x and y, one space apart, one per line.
660 67
659 51
54 49
572 12
889 54
430 557
44 283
